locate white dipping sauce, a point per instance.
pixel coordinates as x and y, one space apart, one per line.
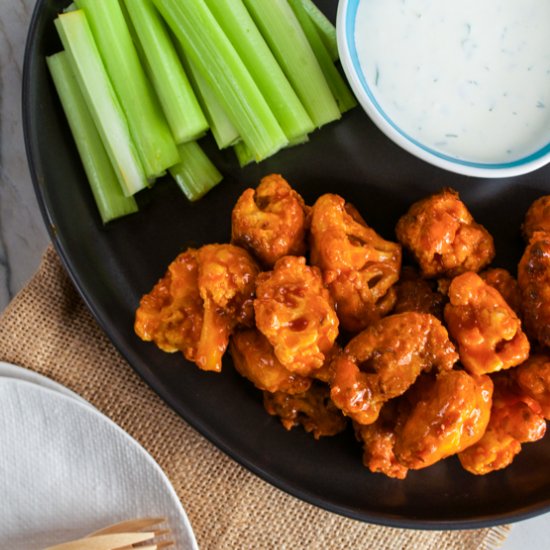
468 78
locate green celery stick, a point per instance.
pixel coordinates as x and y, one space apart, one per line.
179 103
299 140
194 173
208 48
101 99
239 27
326 29
146 120
108 195
338 86
224 131
289 44
245 156
243 153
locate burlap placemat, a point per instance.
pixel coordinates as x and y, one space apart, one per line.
47 328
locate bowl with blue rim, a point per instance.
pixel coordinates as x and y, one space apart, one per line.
462 85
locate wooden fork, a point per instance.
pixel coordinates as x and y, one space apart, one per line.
122 536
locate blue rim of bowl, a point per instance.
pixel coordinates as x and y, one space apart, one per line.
530 162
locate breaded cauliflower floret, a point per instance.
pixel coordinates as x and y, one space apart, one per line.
443 237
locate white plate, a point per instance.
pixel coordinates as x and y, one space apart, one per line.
9 370
67 470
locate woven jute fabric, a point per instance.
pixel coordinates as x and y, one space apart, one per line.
47 328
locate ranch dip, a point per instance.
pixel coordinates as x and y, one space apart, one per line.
468 78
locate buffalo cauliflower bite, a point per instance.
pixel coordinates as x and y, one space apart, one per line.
194 308
254 359
270 222
443 237
537 218
515 419
508 287
487 331
533 377
171 315
448 414
313 409
359 267
378 443
294 311
384 360
326 372
417 294
534 284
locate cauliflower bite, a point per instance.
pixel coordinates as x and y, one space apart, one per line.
171 314
448 415
537 218
270 222
204 295
313 409
533 377
358 266
378 443
487 331
443 237
254 359
295 312
326 372
534 284
384 360
416 294
515 419
506 284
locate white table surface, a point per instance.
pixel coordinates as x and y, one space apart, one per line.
23 236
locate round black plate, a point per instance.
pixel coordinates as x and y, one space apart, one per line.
113 266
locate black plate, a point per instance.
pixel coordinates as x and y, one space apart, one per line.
113 266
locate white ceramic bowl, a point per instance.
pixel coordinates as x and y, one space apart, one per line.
499 167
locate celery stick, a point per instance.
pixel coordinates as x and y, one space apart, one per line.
239 27
243 153
338 86
179 103
326 29
299 140
108 195
289 44
101 99
245 156
224 131
146 120
208 48
194 173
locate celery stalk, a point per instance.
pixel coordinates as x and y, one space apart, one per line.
299 140
208 48
224 131
326 29
146 120
239 27
243 154
101 99
338 86
108 195
289 44
194 173
179 103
